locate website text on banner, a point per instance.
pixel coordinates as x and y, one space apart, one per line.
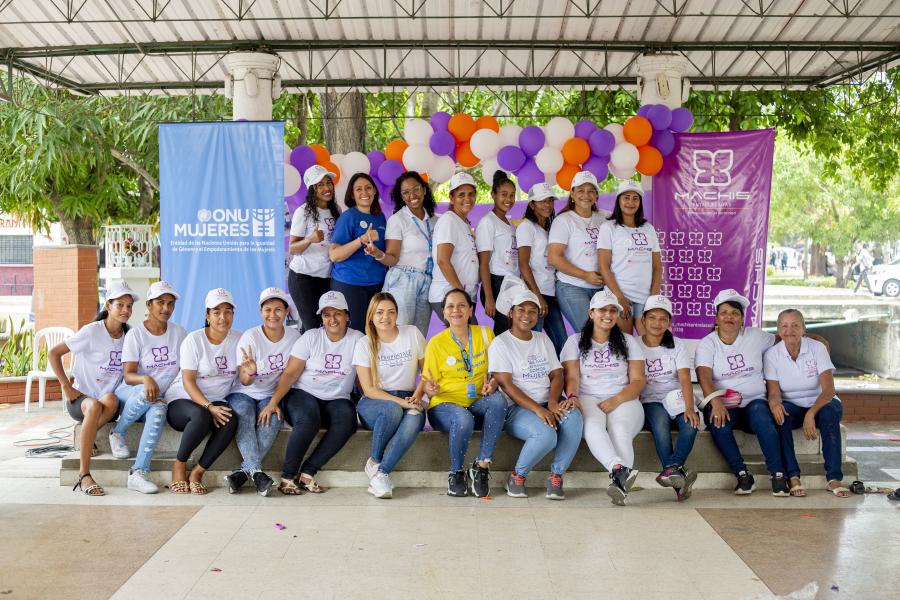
221 213
711 210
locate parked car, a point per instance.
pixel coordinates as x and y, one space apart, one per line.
885 279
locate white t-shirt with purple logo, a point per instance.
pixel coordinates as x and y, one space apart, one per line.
798 379
98 364
580 238
738 366
413 234
632 257
271 359
215 366
529 362
329 372
398 361
499 238
661 369
603 374
314 260
155 355
452 229
534 236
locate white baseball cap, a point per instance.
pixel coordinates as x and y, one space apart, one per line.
658 302
461 178
332 299
582 177
629 185
217 296
315 174
117 289
514 292
159 288
541 191
275 292
730 295
605 298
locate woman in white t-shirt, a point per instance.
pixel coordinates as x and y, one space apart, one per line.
526 366
262 355
572 249
455 256
408 250
98 371
198 397
150 358
315 387
532 236
604 370
392 404
311 228
800 380
668 397
495 240
628 255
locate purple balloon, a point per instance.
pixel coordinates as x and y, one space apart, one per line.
584 129
597 165
642 111
682 120
663 141
376 157
529 175
602 142
294 201
660 116
303 157
531 140
510 158
440 120
389 171
442 143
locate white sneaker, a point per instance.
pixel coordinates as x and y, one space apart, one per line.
139 482
118 445
371 468
381 486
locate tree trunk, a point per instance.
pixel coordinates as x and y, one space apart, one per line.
344 121
817 260
79 230
302 118
839 271
146 203
430 103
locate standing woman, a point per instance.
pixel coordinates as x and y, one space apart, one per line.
409 249
605 372
628 255
321 373
357 248
311 229
532 237
572 249
98 371
150 356
454 246
387 361
197 398
495 240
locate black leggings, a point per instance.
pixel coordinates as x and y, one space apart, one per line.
501 321
305 413
305 291
196 421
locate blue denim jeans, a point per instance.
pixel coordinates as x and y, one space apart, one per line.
459 422
540 439
409 286
754 418
394 430
828 421
254 441
552 323
136 408
574 302
659 422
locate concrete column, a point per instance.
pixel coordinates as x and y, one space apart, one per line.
661 79
252 83
65 286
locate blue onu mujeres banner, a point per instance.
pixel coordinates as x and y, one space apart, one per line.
221 214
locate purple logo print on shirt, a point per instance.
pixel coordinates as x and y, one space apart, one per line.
276 362
333 361
639 238
654 365
222 363
115 358
736 361
592 231
602 356
160 354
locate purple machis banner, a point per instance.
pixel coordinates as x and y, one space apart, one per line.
711 211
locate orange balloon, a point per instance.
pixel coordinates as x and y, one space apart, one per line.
487 122
575 151
565 175
650 161
322 154
424 176
334 169
395 150
465 157
637 131
462 126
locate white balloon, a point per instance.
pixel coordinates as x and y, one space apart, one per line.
617 130
354 162
558 131
417 132
509 135
340 192
338 161
287 153
441 169
418 158
488 168
485 143
624 156
626 173
292 180
549 160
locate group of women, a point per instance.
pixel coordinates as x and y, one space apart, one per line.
365 288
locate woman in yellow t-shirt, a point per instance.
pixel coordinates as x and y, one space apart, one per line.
462 393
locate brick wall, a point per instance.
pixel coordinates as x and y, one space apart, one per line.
65 286
13 392
871 407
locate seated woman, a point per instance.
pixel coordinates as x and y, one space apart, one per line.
98 372
262 355
321 372
800 380
387 361
462 395
604 370
197 398
668 397
525 364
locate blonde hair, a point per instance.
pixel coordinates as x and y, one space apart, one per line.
372 333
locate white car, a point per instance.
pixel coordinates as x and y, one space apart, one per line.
885 279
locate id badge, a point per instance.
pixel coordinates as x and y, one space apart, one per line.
470 391
429 265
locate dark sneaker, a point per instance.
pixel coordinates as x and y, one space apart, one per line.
689 478
895 495
456 484
555 487
236 481
627 477
264 484
780 486
616 488
745 483
479 481
515 486
671 477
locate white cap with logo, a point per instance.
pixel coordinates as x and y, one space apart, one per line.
658 301
332 299
582 177
605 298
541 191
159 288
730 295
117 289
218 296
514 292
315 174
629 185
275 292
461 178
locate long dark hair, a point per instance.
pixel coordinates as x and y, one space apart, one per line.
668 340
500 177
732 304
620 219
531 216
350 201
428 203
457 291
310 205
103 313
616 340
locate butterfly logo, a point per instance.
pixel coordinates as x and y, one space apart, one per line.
661 236
704 256
736 361
222 362
654 365
602 356
592 231
667 255
713 167
115 358
639 238
703 290
714 273
160 354
686 256
333 361
676 308
684 290
693 309
676 273
695 273
676 238
714 238
665 289
276 361
695 238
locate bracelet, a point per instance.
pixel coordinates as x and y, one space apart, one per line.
208 404
571 395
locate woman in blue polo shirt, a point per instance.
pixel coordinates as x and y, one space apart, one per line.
357 248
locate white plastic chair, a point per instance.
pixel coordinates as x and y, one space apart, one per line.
50 336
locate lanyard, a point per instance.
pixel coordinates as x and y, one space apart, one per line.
467 358
429 264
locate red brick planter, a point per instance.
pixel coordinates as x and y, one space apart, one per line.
871 407
12 390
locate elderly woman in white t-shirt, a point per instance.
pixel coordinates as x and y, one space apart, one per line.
800 379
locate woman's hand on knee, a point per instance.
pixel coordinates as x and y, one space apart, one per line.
220 414
265 416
